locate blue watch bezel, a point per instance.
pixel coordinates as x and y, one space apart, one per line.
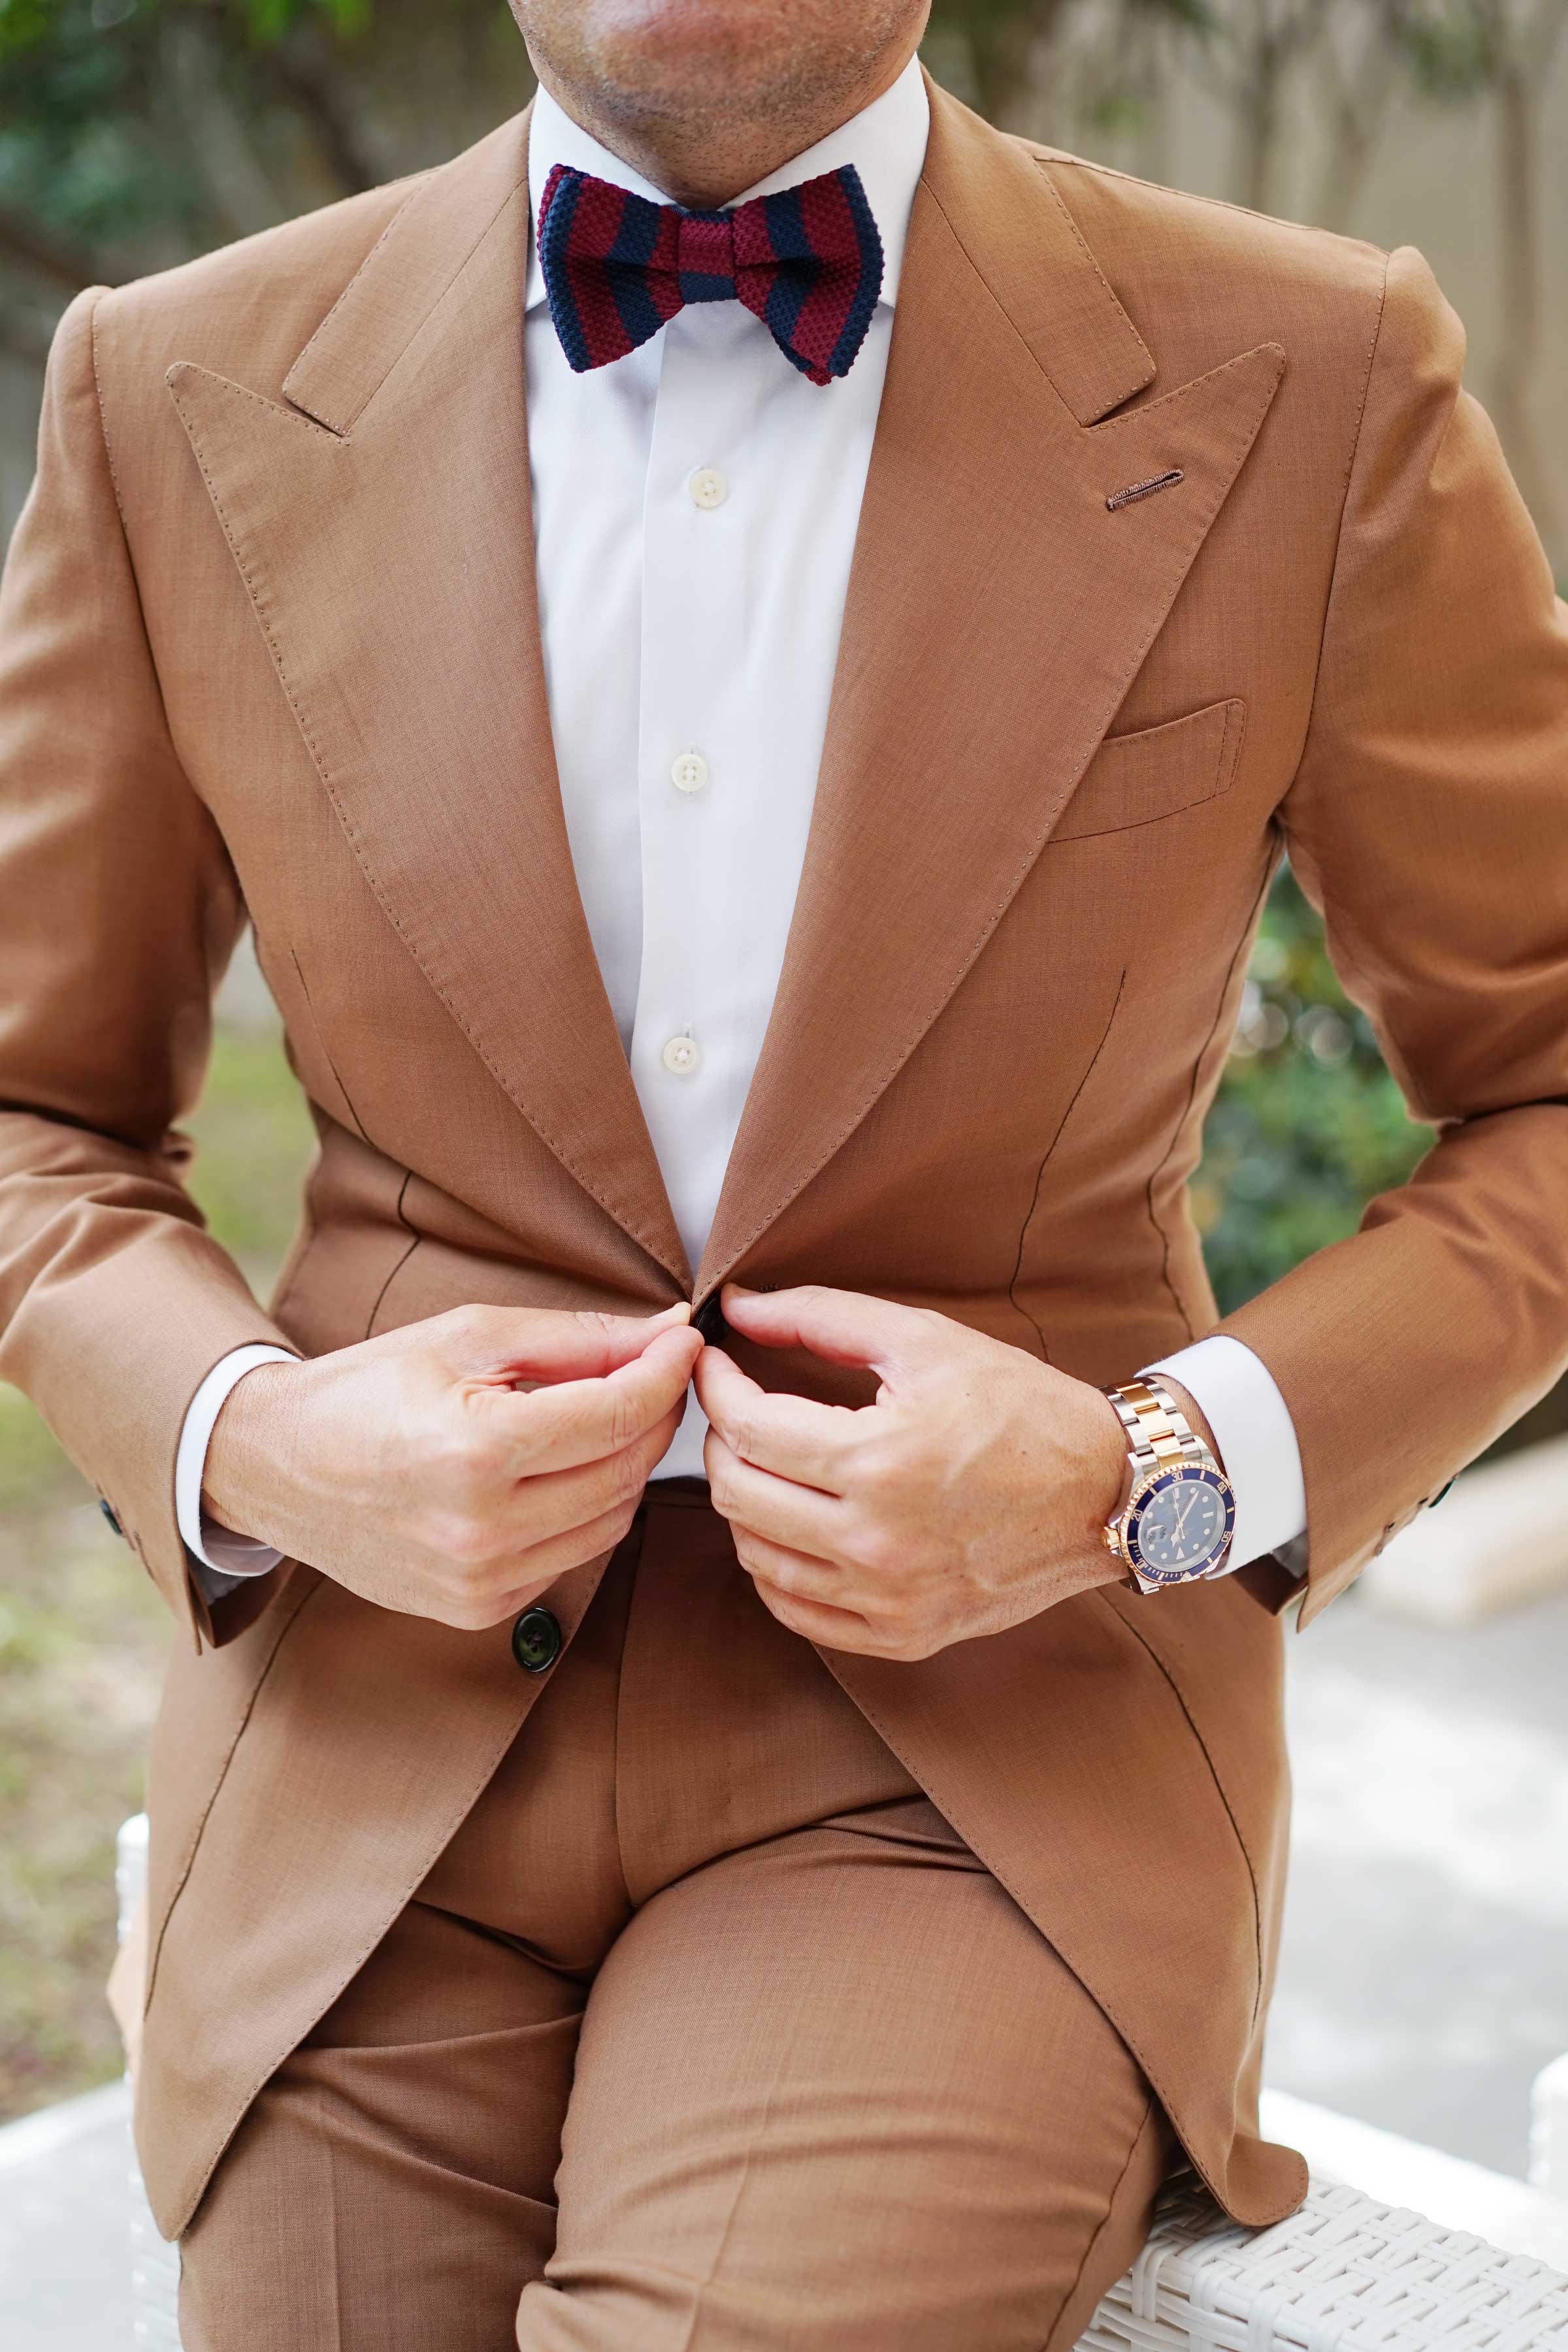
1188 1473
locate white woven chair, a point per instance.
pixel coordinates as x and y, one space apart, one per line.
1344 2274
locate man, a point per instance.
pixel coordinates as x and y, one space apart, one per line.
750 649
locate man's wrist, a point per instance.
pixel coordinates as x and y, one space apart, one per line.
220 1553
238 1449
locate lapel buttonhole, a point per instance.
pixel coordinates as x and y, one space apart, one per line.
1118 498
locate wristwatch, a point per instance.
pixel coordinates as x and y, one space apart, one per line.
1176 1524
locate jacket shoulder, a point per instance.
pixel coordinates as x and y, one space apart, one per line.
1203 279
247 310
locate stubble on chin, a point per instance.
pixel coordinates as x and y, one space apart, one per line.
709 68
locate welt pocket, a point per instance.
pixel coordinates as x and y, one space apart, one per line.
1134 779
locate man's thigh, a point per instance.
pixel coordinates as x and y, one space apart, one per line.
835 2090
391 2189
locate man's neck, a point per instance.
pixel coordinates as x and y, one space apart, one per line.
703 166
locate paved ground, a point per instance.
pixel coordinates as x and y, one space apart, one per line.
1426 1970
65 2224
1425 1978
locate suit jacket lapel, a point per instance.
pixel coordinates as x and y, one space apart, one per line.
998 610
382 524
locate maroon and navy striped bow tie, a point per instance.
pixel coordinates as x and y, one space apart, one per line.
807 261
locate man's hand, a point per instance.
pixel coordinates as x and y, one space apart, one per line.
414 1469
972 1495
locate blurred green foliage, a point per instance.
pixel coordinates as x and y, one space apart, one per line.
135 132
34 26
1308 1124
253 1138
30 1458
85 131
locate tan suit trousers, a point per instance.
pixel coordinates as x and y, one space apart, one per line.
706 2034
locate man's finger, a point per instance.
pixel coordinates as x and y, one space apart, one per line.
797 1516
544 1343
830 1629
792 1436
795 1573
558 1502
538 1568
844 1327
586 1419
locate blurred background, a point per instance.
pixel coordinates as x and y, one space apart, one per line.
1424 1980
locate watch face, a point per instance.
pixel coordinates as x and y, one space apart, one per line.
1181 1523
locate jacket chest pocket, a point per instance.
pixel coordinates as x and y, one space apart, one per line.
1158 772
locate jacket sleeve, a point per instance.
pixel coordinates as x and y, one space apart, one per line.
1428 822
119 910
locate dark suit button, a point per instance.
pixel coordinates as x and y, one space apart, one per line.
536 1640
1437 1498
710 1320
108 1510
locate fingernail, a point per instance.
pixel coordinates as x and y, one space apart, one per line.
680 1313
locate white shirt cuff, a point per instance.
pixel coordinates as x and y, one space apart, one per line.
226 1557
1255 1438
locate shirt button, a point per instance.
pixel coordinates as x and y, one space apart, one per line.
708 488
681 1056
689 772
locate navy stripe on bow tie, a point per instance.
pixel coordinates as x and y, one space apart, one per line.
808 262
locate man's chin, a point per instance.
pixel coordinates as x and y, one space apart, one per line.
709 62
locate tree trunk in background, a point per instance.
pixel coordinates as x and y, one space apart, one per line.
306 77
1360 96
1257 102
1275 39
1518 160
1017 81
1156 135
238 184
1257 131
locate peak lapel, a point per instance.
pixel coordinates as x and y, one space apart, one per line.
382 524
998 610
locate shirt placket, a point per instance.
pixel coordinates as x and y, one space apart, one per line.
699 545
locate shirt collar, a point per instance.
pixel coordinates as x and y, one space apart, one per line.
886 141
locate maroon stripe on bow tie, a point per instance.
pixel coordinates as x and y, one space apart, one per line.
830 232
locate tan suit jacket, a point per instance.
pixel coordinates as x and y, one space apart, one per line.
270 649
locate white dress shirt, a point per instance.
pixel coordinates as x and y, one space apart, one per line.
695 508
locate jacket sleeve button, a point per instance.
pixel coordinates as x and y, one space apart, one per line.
536 1640
109 1513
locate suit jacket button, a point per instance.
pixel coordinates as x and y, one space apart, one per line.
710 1320
109 1513
536 1640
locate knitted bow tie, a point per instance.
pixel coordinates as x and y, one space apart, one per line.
808 262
